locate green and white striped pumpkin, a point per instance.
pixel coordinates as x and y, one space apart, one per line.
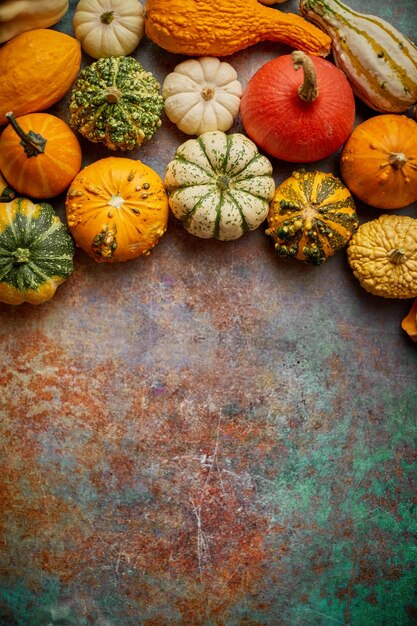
379 61
219 185
36 252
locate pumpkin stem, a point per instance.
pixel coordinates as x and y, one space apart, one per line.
397 160
33 143
397 256
107 17
223 183
309 90
113 95
22 255
207 93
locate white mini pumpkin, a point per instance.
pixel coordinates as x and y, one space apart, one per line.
202 95
108 28
219 185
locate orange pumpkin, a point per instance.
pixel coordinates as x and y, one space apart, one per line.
379 161
117 209
409 323
39 155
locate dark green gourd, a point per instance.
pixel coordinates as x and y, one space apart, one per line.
36 252
115 101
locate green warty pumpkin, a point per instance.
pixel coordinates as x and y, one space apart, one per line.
115 101
36 252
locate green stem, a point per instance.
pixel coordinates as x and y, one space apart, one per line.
107 17
309 90
22 255
33 143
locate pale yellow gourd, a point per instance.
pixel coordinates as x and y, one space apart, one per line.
202 95
108 28
19 16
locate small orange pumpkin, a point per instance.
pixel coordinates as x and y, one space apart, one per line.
39 155
117 209
379 161
409 323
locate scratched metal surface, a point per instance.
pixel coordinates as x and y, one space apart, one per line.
209 435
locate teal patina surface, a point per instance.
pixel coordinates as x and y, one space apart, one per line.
211 435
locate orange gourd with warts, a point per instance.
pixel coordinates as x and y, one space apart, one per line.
409 323
39 155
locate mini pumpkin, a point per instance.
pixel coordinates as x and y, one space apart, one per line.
383 256
202 95
379 161
115 101
108 28
36 252
219 185
312 216
39 155
409 323
117 209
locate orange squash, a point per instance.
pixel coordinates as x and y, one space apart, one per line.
117 209
38 67
379 161
39 155
409 323
221 27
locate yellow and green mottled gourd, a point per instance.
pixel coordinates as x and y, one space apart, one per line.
36 252
311 217
379 61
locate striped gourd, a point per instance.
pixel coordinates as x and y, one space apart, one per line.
380 62
36 252
219 185
312 216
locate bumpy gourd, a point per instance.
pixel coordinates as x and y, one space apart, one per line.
312 216
379 61
202 95
222 27
383 256
115 101
36 252
19 16
37 69
39 155
117 209
379 161
219 185
108 28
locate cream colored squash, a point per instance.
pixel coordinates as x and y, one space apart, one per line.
108 28
202 95
19 16
219 185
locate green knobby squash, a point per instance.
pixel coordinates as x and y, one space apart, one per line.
115 101
36 252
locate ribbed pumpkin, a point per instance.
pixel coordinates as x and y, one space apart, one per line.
298 116
379 161
117 209
38 67
379 61
312 216
36 252
115 101
39 155
219 185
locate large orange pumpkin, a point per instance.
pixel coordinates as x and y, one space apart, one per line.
379 161
39 155
117 209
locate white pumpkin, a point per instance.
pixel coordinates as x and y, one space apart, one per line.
219 185
108 28
202 95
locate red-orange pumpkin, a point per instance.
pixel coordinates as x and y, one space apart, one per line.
298 116
39 155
